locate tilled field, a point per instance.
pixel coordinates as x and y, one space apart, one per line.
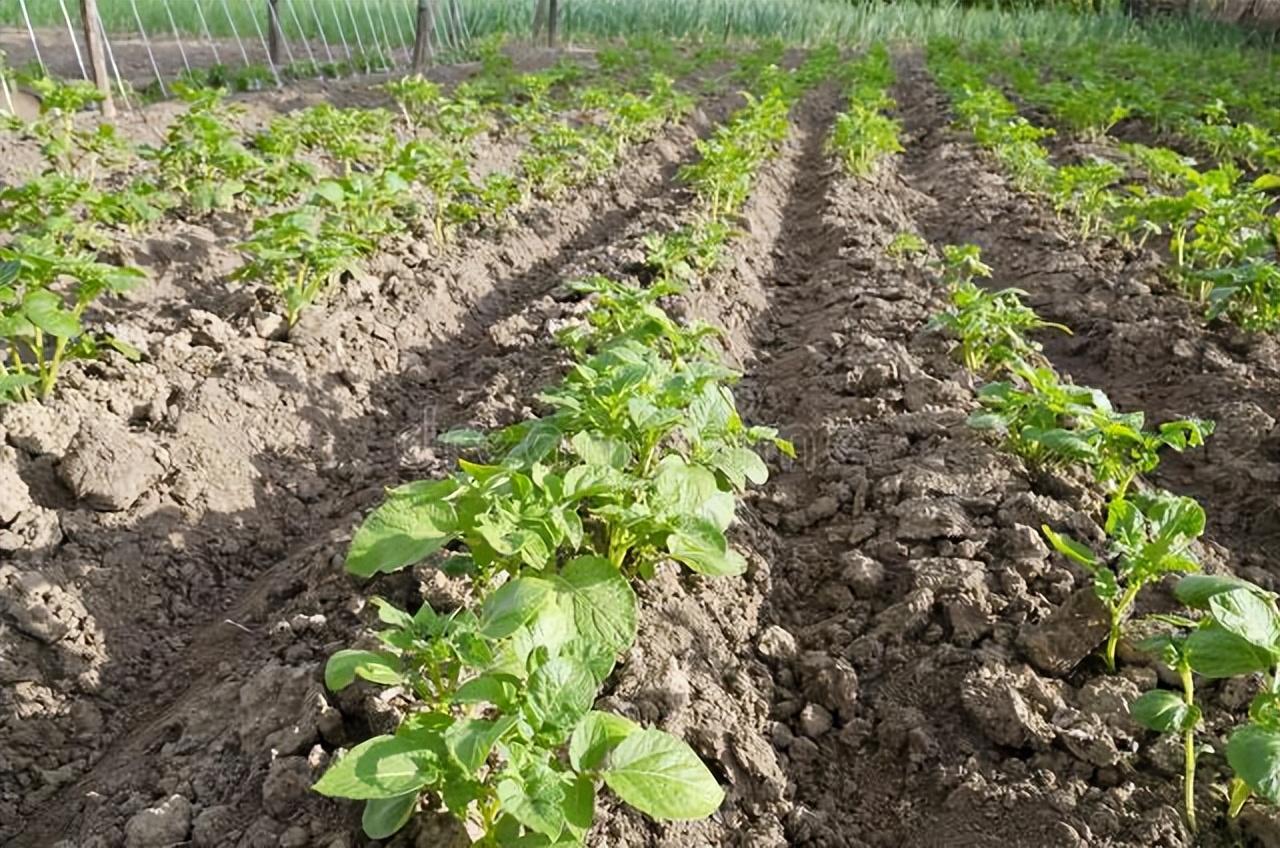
903 663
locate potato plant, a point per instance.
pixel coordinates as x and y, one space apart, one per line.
864 132
638 462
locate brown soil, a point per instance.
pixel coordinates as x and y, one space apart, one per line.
903 663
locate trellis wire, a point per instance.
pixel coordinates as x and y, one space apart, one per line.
236 32
71 33
204 25
271 63
324 39
146 42
111 58
306 42
337 18
31 32
177 38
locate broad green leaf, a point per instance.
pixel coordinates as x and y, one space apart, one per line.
384 816
560 693
492 688
9 272
740 465
595 736
699 544
1215 652
471 739
1195 590
1254 755
401 532
44 309
600 450
514 605
1164 711
604 604
1248 616
662 777
345 666
1069 547
535 799
382 767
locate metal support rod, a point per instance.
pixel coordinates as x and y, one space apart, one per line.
146 42
306 42
93 44
182 51
324 39
244 54
111 57
351 14
71 33
337 18
35 45
262 37
204 27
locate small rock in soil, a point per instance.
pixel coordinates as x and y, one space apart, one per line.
777 644
37 429
280 708
815 720
863 574
164 825
1068 635
108 467
15 497
991 697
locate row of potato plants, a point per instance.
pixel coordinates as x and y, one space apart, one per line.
1231 628
1221 230
1229 120
63 222
638 461
864 132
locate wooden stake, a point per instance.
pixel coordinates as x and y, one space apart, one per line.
92 39
274 35
423 34
553 20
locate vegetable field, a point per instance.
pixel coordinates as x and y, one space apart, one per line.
831 442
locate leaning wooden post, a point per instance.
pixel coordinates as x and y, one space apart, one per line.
553 19
93 40
539 19
274 35
423 34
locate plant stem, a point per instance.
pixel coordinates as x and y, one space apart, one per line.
1117 617
1188 748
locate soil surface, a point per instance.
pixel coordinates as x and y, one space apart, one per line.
903 664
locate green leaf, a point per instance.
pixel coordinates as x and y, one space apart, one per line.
1215 652
560 693
382 767
401 532
9 272
1164 711
601 450
491 688
1248 616
1069 547
740 465
662 777
345 666
384 816
604 604
515 604
595 736
1254 755
1195 590
471 739
702 546
44 309
535 799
